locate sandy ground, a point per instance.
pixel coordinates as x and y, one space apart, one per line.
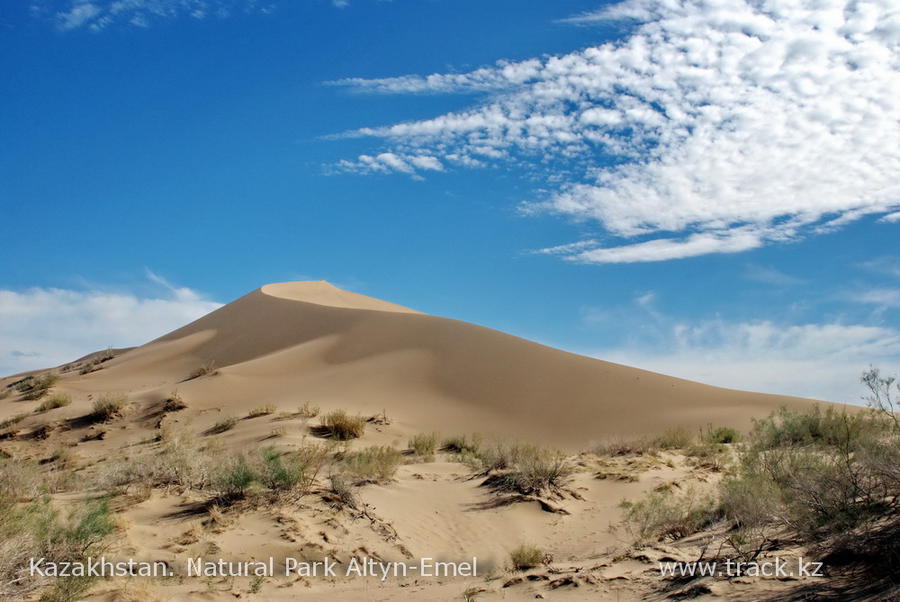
288 344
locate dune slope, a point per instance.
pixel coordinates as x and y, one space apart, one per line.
310 341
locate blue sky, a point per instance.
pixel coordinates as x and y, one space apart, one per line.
707 189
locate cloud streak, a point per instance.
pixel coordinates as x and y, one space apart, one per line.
714 127
43 327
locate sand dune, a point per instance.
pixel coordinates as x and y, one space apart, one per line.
310 341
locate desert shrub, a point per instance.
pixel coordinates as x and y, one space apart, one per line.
523 468
208 368
676 438
234 478
35 387
665 515
374 464
462 444
424 444
174 403
226 424
527 557
721 434
341 426
108 406
292 471
342 490
261 411
307 411
57 400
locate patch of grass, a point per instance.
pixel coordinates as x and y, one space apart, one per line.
13 421
108 406
308 411
208 368
375 464
665 515
261 411
226 424
424 444
625 447
343 427
462 444
35 387
523 468
235 478
675 438
342 490
57 400
527 557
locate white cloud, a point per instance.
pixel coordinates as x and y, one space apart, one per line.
882 297
822 361
732 124
96 15
891 217
769 275
43 327
392 162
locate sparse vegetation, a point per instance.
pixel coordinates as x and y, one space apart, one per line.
261 411
676 438
522 468
13 421
35 387
527 557
57 400
108 407
722 434
234 479
207 369
374 464
96 362
308 411
343 427
462 444
664 514
424 444
293 471
226 424
174 403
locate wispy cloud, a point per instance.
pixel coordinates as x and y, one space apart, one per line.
769 275
42 327
712 128
822 360
97 15
882 297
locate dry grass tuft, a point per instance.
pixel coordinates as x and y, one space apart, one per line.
343 427
108 406
57 400
527 557
261 411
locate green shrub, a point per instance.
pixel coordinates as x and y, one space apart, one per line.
293 471
527 557
424 444
235 478
722 434
57 400
108 406
341 426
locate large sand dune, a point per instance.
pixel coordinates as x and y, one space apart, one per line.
309 341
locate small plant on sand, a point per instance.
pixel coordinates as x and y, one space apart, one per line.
307 411
375 464
293 471
108 406
261 411
523 468
174 403
462 444
342 490
424 444
57 400
226 424
235 478
343 427
527 557
208 368
13 421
